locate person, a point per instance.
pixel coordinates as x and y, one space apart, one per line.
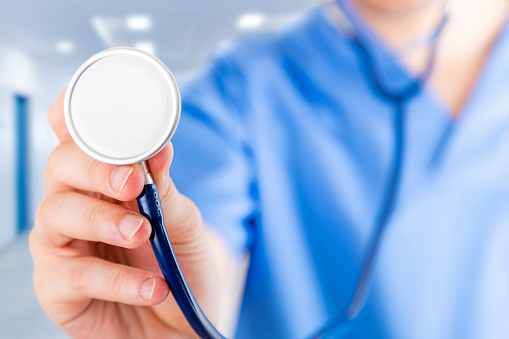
285 151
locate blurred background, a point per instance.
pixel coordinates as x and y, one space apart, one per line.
42 43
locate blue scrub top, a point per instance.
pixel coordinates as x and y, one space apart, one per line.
286 150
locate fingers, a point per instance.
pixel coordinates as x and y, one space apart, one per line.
77 279
56 119
69 167
64 216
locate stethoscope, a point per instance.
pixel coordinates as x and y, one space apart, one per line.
122 106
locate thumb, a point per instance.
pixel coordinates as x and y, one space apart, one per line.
189 240
182 217
159 166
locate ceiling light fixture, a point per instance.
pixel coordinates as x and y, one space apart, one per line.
249 21
138 22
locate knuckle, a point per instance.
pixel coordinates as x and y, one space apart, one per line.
46 179
78 276
46 210
92 169
58 152
100 221
52 168
117 282
44 231
50 163
97 174
94 218
41 214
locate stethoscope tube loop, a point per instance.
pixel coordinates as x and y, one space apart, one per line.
397 97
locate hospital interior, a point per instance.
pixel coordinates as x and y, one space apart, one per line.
42 43
343 166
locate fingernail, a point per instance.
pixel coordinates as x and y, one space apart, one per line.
147 288
129 225
119 177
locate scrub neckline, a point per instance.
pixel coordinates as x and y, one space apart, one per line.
428 92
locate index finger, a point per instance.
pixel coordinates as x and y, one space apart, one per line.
56 119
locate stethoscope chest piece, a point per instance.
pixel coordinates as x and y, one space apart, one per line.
122 106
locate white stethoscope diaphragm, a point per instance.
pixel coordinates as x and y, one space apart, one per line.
122 106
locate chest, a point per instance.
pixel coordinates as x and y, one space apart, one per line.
332 160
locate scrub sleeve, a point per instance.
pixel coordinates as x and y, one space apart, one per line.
211 162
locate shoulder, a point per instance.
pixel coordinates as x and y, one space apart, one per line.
250 51
253 67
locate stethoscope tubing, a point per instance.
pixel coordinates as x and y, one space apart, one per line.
149 204
398 99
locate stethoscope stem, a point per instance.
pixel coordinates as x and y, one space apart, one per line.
146 172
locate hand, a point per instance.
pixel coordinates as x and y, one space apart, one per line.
95 273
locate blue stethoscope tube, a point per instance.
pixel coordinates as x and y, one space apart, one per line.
398 100
149 205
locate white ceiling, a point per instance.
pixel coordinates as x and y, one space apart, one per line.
183 31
